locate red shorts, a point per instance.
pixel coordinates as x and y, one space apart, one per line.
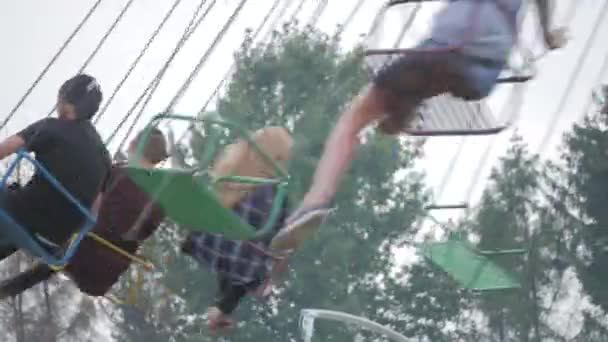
95 268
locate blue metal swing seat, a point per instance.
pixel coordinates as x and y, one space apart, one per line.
22 238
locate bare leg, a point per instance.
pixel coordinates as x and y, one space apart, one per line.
342 144
338 154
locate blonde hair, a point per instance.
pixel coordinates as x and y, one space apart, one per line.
241 159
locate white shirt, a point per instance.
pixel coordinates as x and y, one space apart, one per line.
496 22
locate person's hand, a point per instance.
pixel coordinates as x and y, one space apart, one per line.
217 320
556 38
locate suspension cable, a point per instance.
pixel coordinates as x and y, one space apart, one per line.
299 8
349 18
192 26
100 44
158 80
231 69
138 58
514 104
225 78
316 14
376 22
276 20
583 113
598 81
50 63
182 90
297 11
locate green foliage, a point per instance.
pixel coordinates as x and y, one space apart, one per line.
505 219
586 175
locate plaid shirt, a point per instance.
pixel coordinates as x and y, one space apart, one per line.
243 262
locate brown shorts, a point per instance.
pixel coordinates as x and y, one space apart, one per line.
418 75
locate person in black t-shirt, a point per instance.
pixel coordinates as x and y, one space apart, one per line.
70 148
127 217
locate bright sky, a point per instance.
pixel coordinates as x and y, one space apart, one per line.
31 31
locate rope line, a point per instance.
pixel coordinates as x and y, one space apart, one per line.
276 20
100 44
156 82
408 24
349 18
50 63
138 58
452 164
297 11
316 14
514 105
217 89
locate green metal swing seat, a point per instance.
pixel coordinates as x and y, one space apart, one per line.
472 269
187 196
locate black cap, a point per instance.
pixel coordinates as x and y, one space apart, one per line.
84 93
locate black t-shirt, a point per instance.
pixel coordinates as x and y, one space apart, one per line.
123 204
74 153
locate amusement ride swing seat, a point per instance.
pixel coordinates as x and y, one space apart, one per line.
22 238
473 269
446 114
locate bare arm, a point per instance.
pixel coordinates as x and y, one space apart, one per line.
10 146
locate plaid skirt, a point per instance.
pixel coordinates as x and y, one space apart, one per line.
244 263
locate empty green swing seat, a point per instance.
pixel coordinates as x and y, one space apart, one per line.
472 269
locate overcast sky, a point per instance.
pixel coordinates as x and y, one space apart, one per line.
31 32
